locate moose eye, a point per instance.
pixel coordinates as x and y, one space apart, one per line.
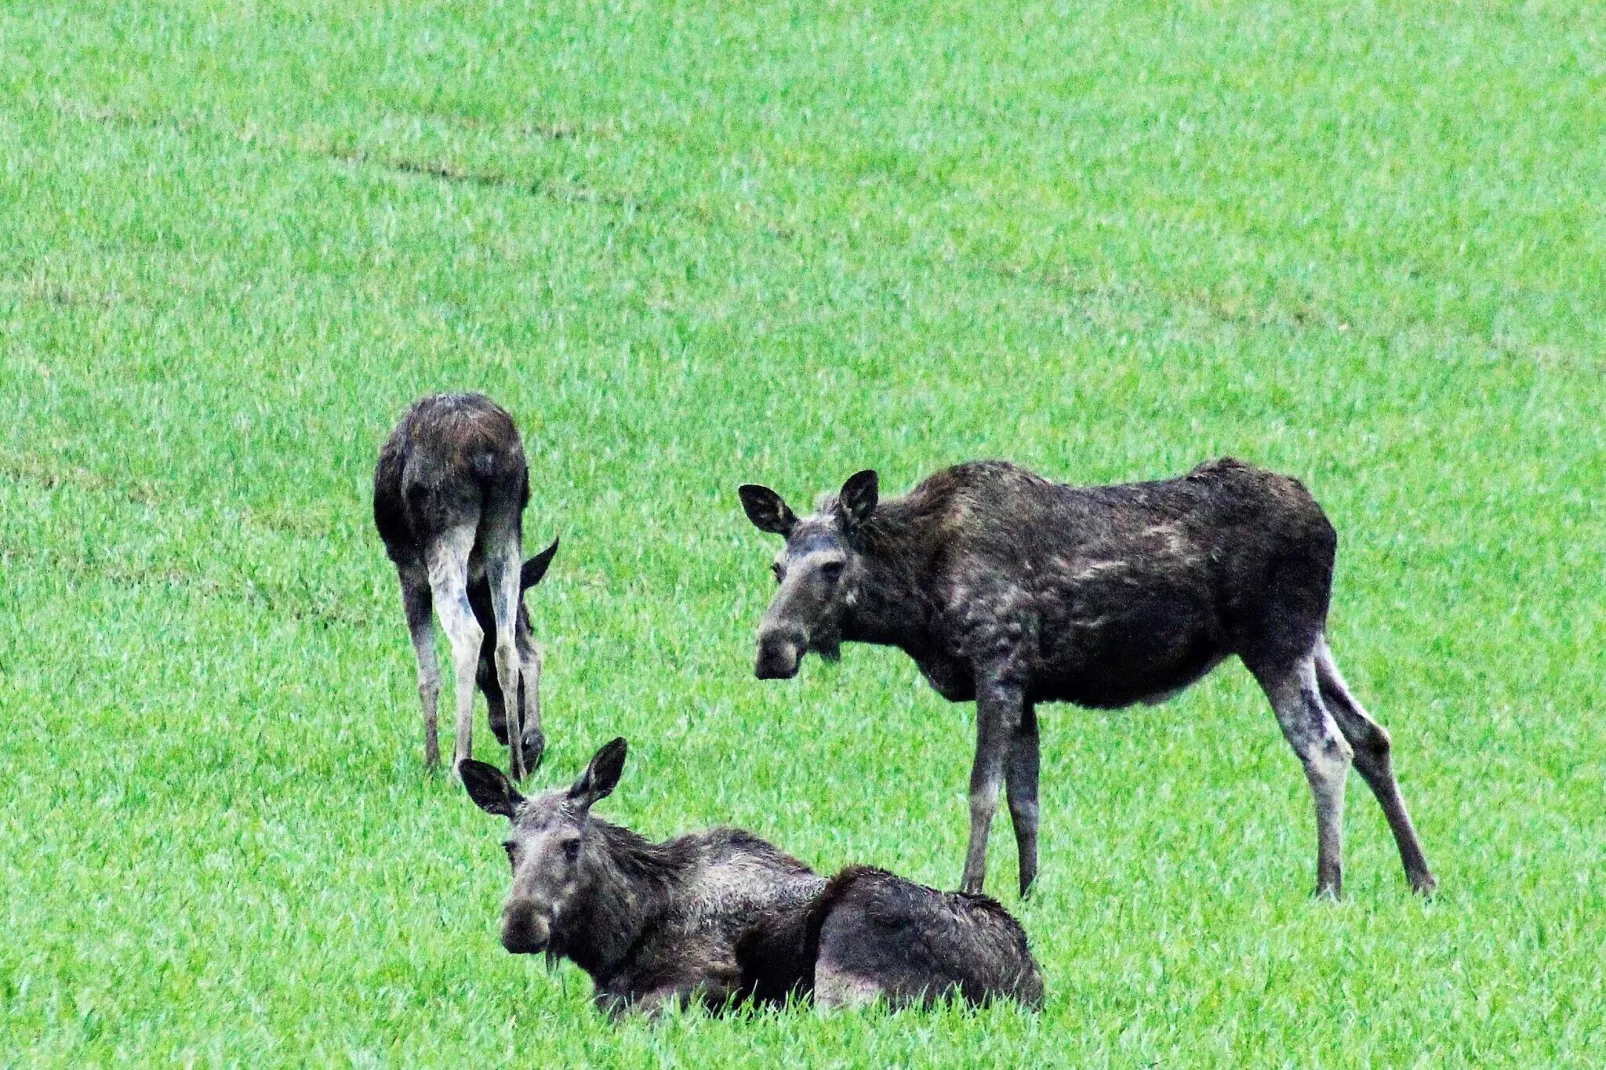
778 571
832 571
571 849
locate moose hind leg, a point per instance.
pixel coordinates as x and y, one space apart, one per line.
1372 760
1020 780
1322 750
862 955
836 988
417 603
448 583
502 573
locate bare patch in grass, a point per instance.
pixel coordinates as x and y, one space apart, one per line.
41 290
447 172
109 115
556 130
53 474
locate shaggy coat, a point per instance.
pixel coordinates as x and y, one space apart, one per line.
721 918
1011 590
879 936
449 495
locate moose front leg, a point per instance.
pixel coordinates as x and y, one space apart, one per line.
998 718
716 989
1021 780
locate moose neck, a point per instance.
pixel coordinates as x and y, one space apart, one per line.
888 608
626 891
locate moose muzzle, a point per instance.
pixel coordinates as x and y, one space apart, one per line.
524 930
780 649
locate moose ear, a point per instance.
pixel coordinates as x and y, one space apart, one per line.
859 496
489 788
602 775
766 509
536 567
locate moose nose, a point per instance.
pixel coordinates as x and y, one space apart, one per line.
524 932
779 651
534 747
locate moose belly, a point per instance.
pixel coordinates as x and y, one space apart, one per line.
949 677
1141 654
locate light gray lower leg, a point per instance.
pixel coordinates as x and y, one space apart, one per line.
448 581
502 573
1324 753
1374 762
530 695
417 603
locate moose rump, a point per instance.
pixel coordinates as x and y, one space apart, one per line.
450 489
876 936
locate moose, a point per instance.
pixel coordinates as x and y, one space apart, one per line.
1010 590
721 918
449 495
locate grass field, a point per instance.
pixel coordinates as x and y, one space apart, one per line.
695 245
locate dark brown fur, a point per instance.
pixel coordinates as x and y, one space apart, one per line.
876 935
1012 590
449 495
721 918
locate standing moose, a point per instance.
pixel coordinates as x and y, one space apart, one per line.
449 497
1010 590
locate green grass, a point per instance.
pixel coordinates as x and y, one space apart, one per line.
690 246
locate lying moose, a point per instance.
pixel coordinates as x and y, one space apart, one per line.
722 918
1011 590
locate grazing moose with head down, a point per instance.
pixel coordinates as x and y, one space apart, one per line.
449 497
720 917
1010 590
